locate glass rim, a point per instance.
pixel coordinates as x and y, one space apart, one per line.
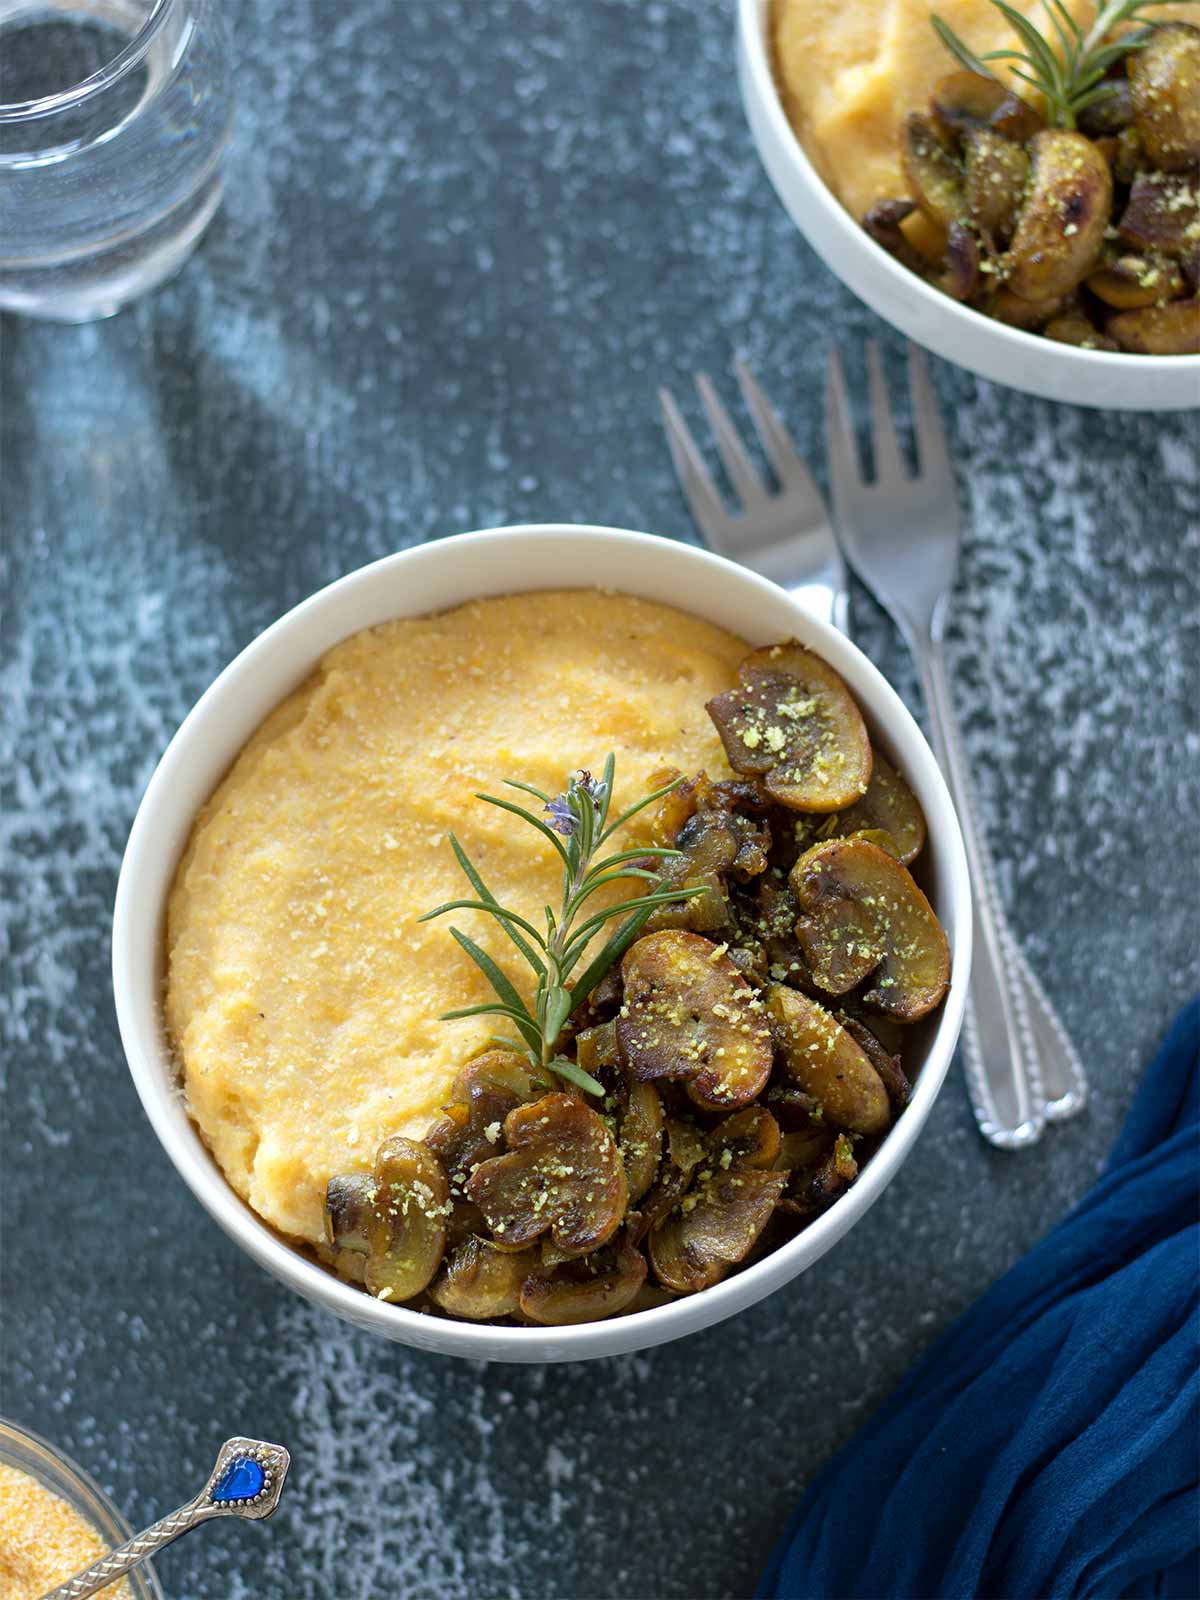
45 1463
111 72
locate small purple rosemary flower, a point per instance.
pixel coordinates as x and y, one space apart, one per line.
562 818
564 811
592 787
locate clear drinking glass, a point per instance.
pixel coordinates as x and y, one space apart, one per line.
114 117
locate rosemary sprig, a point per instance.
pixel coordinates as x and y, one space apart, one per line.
1069 76
578 828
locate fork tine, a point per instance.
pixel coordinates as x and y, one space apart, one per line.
889 463
841 450
933 455
743 474
698 488
786 462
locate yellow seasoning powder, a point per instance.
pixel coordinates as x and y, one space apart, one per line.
43 1540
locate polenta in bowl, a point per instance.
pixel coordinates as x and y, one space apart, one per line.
550 961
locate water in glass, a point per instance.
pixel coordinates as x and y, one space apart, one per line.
114 117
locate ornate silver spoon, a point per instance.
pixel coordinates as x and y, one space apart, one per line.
246 1482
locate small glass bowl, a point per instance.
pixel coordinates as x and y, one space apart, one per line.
54 1471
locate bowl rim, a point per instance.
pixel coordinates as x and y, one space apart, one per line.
29 1452
755 59
140 1022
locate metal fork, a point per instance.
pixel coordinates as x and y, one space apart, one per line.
787 537
901 535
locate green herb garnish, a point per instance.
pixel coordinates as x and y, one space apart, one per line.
1069 77
578 828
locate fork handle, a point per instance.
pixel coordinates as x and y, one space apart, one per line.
1003 1077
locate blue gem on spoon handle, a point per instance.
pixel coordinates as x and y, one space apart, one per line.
246 1482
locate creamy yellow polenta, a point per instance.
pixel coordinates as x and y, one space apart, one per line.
302 995
850 71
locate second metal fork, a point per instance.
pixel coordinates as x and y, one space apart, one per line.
901 534
787 536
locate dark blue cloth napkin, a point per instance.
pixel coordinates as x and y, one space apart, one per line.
1049 1444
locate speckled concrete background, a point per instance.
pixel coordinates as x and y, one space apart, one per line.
463 240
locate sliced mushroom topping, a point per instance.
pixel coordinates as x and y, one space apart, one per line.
861 914
1170 330
350 1216
1164 77
815 1191
690 1014
562 1173
658 1202
1110 111
934 177
1061 226
825 1061
1128 282
996 173
482 1282
596 1048
1076 328
958 274
407 1237
769 922
804 1148
602 1286
883 223
1007 307
641 1138
792 719
890 808
467 1130
749 1138
964 101
888 1066
959 277
730 796
1128 159
709 844
715 1225
1163 213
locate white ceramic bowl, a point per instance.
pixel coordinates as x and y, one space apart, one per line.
1006 355
430 579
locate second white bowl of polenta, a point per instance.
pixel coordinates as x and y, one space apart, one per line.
548 958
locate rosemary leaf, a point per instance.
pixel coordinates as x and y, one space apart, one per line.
557 1008
1067 40
1059 10
498 979
607 774
526 816
575 1074
490 908
1041 55
589 888
641 805
958 49
527 788
467 867
659 852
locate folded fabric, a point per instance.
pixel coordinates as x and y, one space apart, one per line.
1048 1445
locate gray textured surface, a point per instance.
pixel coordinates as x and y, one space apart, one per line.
462 242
